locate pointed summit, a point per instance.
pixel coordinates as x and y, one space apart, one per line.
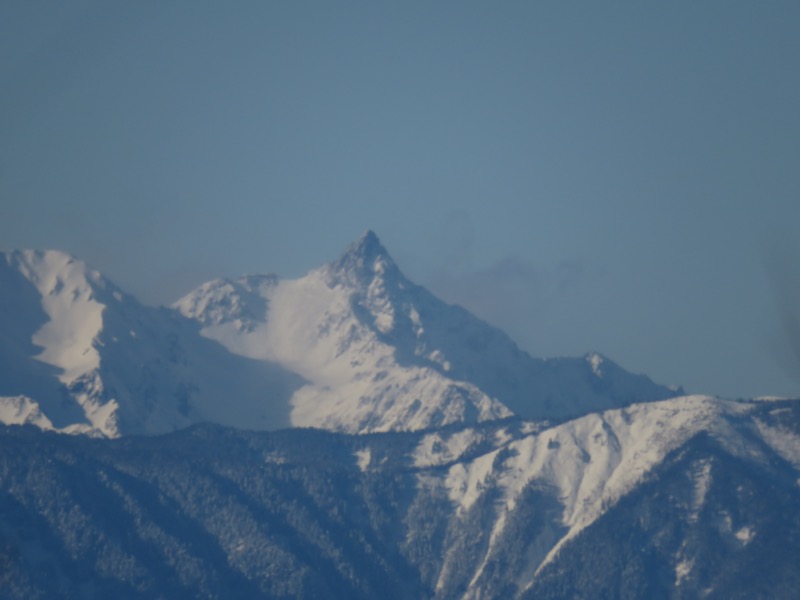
362 261
367 246
368 237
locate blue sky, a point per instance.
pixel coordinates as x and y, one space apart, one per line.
621 177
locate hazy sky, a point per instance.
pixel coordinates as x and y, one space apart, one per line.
613 176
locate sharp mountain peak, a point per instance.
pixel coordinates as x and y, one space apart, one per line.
362 261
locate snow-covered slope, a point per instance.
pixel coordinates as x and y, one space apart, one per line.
381 353
586 466
588 463
355 381
79 355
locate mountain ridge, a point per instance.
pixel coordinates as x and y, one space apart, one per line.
352 346
499 510
398 466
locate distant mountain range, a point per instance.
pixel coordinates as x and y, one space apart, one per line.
454 464
353 346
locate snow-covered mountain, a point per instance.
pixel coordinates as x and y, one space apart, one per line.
683 498
353 346
78 354
477 471
381 353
